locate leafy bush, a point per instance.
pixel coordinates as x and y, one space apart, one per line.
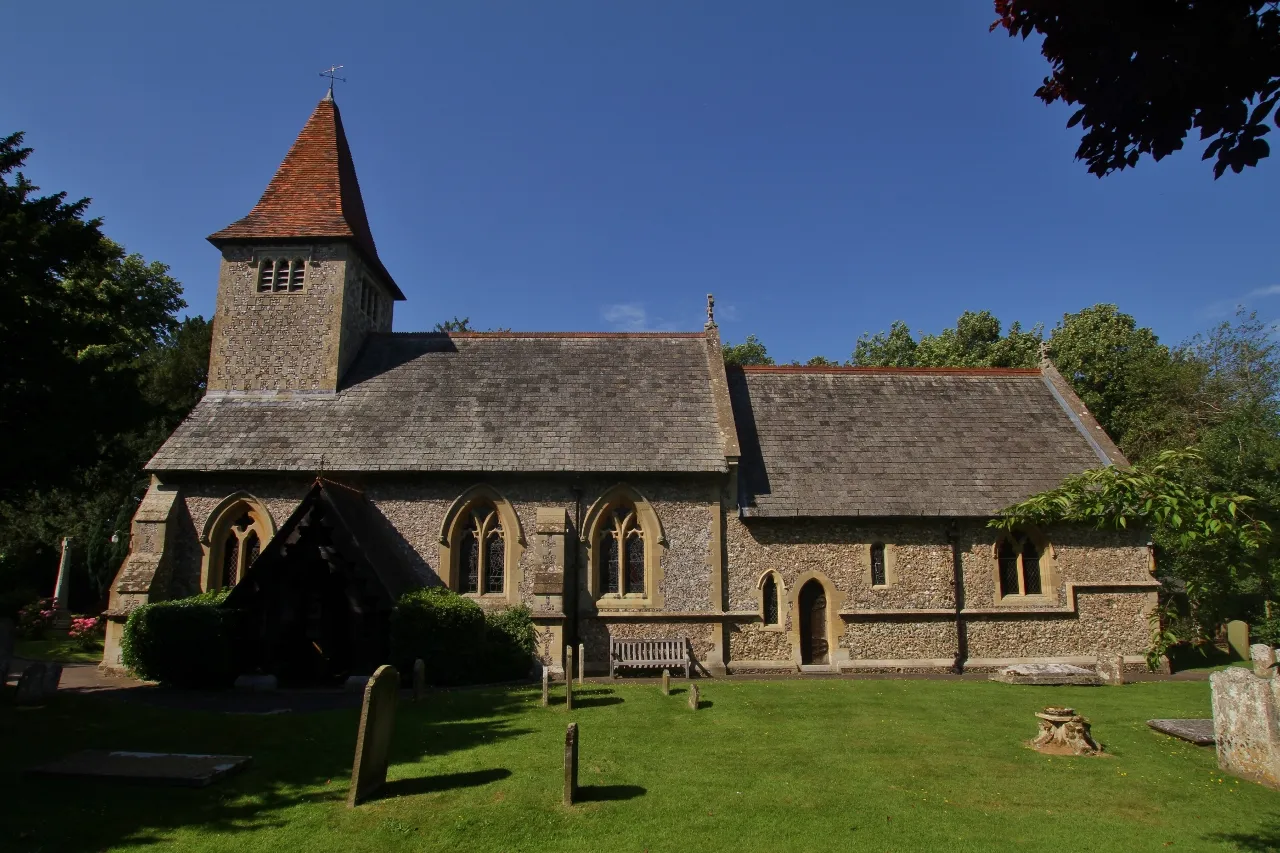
189 642
35 619
1266 630
457 641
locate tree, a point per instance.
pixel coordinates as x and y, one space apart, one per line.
976 341
1144 73
749 352
457 324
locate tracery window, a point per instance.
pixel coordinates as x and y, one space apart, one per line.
769 597
622 553
482 553
281 275
240 547
1018 561
878 574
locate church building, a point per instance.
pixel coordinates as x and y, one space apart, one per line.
812 519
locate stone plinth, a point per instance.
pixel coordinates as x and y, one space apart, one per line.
1064 731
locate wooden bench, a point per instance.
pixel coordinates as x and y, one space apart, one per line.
648 654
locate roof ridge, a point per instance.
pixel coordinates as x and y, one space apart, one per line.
941 371
550 334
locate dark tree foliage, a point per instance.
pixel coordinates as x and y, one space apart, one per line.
457 324
1145 73
749 352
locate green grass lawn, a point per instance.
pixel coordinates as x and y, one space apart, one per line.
842 765
62 650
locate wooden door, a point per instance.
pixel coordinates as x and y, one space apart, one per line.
813 623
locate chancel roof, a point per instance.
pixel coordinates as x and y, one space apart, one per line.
488 402
903 442
314 194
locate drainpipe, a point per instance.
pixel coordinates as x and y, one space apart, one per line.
957 571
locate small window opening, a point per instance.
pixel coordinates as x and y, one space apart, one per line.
1018 561
878 577
297 274
770 601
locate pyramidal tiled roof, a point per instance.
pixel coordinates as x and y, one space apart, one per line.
314 193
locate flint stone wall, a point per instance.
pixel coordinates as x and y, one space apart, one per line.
1246 724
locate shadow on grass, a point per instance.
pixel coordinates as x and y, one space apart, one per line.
603 793
600 702
443 782
1265 838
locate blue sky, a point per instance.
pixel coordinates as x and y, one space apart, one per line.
823 167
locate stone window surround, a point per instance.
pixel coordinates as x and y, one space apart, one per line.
890 565
1048 570
781 625
218 524
455 522
287 253
655 542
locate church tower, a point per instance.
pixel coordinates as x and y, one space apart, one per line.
301 284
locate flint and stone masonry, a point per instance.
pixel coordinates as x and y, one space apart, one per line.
803 519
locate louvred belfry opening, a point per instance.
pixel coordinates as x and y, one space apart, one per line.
314 194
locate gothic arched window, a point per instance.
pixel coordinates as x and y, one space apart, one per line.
234 535
769 601
1018 563
482 551
622 552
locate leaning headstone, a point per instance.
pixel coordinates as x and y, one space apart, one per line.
31 685
568 694
582 662
571 764
1110 668
373 740
6 649
52 677
666 682
1264 660
693 697
419 679
546 686
1238 639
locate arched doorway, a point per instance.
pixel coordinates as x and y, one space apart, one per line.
813 623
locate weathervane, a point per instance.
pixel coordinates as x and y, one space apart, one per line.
332 74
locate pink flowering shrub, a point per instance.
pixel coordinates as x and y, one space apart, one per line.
87 632
35 619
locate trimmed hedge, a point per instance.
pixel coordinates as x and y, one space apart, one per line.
189 642
458 641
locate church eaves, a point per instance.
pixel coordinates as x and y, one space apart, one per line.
314 195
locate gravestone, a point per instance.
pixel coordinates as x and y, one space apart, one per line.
571 764
546 686
31 685
568 694
52 677
582 662
568 663
6 649
419 679
1110 668
1264 660
156 768
1238 639
1197 731
1044 674
373 740
666 682
693 697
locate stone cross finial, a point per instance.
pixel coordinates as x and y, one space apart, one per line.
711 311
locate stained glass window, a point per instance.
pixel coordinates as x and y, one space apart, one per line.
495 570
635 561
1007 557
609 561
231 559
1030 568
877 565
469 552
770 601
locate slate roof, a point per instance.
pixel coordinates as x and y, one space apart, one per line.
903 442
313 194
487 402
